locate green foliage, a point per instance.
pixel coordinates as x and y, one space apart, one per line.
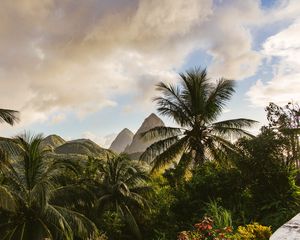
8 116
160 222
112 223
98 236
259 187
194 104
285 123
209 182
206 230
43 196
222 217
32 185
121 187
269 180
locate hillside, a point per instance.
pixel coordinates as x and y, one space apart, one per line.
53 140
82 147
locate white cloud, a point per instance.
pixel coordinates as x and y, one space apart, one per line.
57 118
285 85
62 56
101 141
229 40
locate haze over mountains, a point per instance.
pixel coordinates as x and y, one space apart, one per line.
82 148
134 144
126 141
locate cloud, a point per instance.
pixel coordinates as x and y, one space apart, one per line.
101 141
229 40
57 118
79 56
284 86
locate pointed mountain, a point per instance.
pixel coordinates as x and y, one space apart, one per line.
123 139
139 145
53 141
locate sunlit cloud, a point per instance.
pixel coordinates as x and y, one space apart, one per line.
284 86
79 57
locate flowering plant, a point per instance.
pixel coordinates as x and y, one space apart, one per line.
205 230
253 231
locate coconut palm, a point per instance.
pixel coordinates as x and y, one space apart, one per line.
30 193
123 189
194 104
8 116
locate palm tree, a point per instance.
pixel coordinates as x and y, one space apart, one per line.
8 116
123 187
194 104
30 189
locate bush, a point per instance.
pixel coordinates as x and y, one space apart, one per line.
222 217
253 231
98 236
206 230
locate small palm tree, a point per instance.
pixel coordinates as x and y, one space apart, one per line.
194 104
8 116
30 188
122 190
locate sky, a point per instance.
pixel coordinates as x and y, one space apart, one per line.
88 69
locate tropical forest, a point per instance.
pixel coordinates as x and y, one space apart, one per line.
203 178
149 120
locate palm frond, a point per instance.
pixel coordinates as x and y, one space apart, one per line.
195 89
168 108
160 132
172 98
81 226
157 148
7 200
235 123
170 154
184 164
129 218
217 98
9 116
233 128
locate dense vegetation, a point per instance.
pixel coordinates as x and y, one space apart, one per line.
194 183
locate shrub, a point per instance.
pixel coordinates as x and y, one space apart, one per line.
98 236
206 230
253 231
221 216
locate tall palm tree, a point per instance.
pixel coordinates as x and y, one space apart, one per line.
194 104
8 116
30 189
123 189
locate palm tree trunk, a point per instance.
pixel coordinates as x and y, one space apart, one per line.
199 156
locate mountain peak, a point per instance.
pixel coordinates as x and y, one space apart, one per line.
123 139
126 130
153 115
138 144
53 141
150 122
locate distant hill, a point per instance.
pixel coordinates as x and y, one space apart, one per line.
139 145
82 147
123 139
53 140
